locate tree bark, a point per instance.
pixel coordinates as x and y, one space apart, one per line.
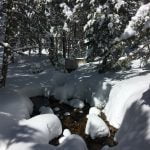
64 44
7 54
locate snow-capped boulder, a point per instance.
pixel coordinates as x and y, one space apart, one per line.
76 103
73 142
46 127
61 139
66 133
94 110
96 127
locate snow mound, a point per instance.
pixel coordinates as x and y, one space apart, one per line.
123 95
47 127
96 127
35 133
28 134
134 133
90 87
15 104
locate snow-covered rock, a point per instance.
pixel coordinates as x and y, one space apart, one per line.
46 127
61 139
35 133
32 134
76 103
73 142
46 110
66 133
94 110
96 127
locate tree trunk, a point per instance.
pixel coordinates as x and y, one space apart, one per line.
64 44
6 58
40 48
7 54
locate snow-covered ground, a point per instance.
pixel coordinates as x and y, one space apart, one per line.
122 93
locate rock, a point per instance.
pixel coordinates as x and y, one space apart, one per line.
66 133
56 109
94 110
96 127
76 103
67 113
61 139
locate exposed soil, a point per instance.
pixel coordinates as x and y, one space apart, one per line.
75 122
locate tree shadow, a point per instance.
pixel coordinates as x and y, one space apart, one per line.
12 133
134 132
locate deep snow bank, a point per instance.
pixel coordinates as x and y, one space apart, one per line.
134 133
123 95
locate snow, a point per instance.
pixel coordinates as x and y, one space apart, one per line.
134 132
76 103
86 86
27 134
94 110
15 104
96 127
141 18
124 94
61 139
118 91
73 142
66 133
119 4
48 127
66 10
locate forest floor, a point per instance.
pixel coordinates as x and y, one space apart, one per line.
75 120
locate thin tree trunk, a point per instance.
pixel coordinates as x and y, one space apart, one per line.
64 44
6 59
40 49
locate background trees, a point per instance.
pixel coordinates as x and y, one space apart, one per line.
106 29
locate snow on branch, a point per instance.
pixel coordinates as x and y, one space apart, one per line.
140 22
3 44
